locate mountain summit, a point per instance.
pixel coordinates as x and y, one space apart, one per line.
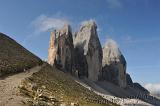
88 51
112 52
114 64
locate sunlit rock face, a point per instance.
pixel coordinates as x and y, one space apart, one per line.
61 49
52 49
114 64
88 51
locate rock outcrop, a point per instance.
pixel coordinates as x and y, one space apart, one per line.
52 51
135 85
129 80
61 48
114 64
142 89
85 58
88 51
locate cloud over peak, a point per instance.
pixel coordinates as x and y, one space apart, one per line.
112 47
45 23
114 3
153 88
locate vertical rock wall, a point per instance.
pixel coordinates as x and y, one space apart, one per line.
85 58
88 45
63 47
52 51
114 64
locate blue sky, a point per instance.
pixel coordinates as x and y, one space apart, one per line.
133 24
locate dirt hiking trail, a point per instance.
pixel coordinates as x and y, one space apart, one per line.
9 88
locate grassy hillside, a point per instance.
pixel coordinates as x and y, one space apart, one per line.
14 57
54 83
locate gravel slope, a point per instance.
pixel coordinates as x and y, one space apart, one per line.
9 93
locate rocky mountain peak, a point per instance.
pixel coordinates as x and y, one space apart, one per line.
88 30
112 52
88 46
114 64
61 48
89 24
85 56
65 30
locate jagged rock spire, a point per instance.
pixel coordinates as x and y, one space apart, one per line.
114 64
86 54
52 49
61 48
89 50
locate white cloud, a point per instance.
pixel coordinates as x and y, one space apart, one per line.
114 3
45 23
128 39
153 88
88 21
112 46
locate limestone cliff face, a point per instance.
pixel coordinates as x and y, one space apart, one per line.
85 58
52 49
88 51
114 64
61 48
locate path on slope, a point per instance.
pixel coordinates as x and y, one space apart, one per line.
9 88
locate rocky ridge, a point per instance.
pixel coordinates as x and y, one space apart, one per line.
84 56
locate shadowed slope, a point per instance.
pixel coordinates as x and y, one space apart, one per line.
14 57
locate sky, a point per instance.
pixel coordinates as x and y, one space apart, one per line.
133 24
